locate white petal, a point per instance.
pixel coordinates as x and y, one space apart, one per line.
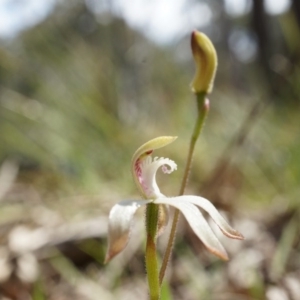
213 212
198 224
147 177
120 218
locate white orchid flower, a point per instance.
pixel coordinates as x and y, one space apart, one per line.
144 169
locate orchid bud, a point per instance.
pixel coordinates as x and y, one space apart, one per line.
206 60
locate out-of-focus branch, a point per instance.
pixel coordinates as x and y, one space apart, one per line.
296 9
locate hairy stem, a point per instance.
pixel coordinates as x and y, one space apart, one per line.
203 108
151 259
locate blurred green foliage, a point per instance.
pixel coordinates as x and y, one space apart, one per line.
78 96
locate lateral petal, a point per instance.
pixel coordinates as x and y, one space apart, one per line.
198 224
213 212
120 219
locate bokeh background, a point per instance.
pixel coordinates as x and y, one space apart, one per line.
84 83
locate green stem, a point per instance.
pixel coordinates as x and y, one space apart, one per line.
151 259
203 108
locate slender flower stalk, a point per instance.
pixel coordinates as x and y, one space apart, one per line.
152 212
203 108
206 61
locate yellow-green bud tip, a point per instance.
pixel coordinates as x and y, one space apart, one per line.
206 60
